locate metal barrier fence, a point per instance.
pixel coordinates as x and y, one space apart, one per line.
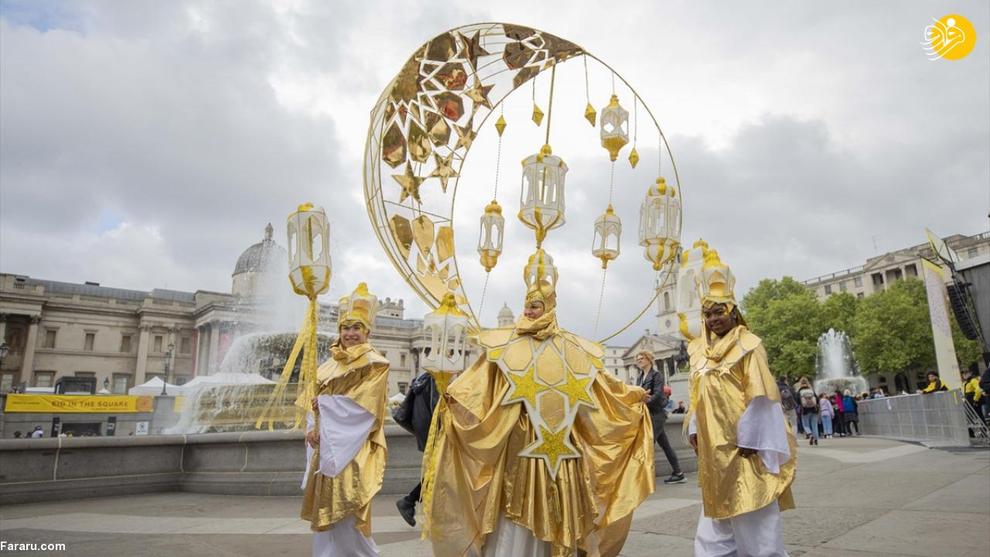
934 418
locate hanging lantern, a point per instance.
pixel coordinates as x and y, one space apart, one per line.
614 127
309 250
541 202
446 328
659 223
491 235
608 230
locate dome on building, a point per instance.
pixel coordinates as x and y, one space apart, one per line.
262 257
261 269
505 316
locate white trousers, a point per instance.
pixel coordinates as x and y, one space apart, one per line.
343 539
512 540
755 534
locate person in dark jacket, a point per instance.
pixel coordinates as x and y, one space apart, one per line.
414 415
652 382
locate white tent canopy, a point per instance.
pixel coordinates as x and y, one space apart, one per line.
201 381
154 387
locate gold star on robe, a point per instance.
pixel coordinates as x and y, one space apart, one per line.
479 94
444 170
473 49
551 446
409 182
465 135
524 387
576 389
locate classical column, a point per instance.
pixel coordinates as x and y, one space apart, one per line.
142 355
198 351
3 328
27 364
214 346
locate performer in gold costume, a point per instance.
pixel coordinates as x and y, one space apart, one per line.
746 450
537 450
350 461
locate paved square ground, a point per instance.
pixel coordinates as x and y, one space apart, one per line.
857 497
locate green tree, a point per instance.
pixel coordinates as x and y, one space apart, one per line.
839 313
893 331
786 315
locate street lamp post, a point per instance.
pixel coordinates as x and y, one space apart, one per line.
168 360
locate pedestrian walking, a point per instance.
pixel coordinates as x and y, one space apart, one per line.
850 413
827 413
652 382
789 403
839 421
809 410
415 415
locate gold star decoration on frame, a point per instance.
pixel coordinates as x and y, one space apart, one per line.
465 135
444 169
478 93
473 49
410 184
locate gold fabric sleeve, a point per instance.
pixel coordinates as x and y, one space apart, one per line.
479 476
327 501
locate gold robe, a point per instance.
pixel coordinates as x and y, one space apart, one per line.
725 378
361 374
478 474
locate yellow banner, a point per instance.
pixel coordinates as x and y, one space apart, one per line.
78 404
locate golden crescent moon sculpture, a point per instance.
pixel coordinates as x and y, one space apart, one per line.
423 127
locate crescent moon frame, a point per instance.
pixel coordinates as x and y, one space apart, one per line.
422 129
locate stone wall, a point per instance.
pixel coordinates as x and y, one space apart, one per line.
251 463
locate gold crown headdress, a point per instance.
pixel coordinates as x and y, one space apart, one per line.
359 307
717 281
540 276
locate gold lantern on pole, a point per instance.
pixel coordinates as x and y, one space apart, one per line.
659 223
541 202
446 328
310 269
491 236
608 230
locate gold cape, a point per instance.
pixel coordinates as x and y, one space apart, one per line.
477 473
724 378
361 374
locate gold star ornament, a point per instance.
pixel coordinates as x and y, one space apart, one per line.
524 387
479 94
576 389
552 447
444 169
410 184
465 135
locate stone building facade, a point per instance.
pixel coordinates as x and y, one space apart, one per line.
123 338
883 270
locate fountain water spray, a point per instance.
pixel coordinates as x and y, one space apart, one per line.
836 366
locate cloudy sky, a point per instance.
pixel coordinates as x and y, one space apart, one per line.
146 144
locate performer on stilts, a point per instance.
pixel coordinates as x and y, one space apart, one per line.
536 449
349 463
746 450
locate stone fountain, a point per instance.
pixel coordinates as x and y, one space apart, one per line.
836 366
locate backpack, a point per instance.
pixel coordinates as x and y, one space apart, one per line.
808 399
787 398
